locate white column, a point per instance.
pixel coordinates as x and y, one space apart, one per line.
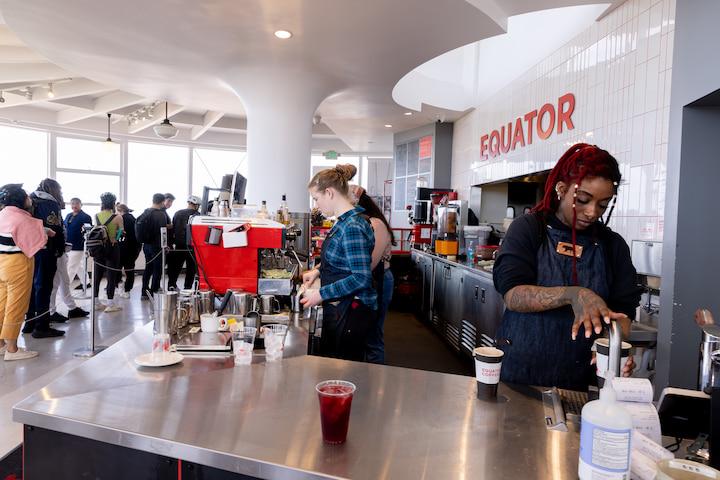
279 134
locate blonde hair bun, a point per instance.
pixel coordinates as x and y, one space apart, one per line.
347 171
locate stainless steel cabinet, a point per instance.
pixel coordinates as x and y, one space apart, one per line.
462 306
481 312
446 302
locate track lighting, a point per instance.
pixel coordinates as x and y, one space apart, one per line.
2 99
28 93
51 92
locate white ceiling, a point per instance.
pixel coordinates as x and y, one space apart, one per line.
211 59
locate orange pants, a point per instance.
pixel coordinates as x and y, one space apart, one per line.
16 276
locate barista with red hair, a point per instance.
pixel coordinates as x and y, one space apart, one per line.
557 303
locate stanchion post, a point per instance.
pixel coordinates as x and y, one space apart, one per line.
93 350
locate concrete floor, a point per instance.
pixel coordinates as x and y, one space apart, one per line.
21 378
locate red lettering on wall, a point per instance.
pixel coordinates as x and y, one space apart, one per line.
519 135
529 117
548 108
494 148
545 120
505 146
563 115
483 146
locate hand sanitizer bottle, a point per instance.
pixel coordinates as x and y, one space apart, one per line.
605 434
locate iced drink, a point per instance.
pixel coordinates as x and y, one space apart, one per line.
335 401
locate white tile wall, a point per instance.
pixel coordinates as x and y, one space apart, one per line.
619 70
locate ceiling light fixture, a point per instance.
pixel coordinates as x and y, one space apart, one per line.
2 99
28 93
283 34
51 92
166 129
387 125
108 140
407 114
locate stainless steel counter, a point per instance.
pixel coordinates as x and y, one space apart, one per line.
469 266
263 419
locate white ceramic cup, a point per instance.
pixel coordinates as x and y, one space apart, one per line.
209 323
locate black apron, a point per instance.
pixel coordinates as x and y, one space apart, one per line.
538 346
346 321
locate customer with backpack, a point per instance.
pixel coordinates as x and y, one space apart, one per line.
183 251
47 202
147 231
109 259
129 249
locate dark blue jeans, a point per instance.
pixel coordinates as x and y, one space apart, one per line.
152 269
43 275
376 344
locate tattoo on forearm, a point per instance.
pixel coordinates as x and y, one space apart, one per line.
530 298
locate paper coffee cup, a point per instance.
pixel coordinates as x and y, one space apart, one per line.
602 352
488 362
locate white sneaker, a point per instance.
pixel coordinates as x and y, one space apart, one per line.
21 354
100 307
124 294
112 308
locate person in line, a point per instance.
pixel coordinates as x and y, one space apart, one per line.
74 222
147 229
61 284
168 202
21 238
564 275
109 262
182 254
384 281
347 294
129 248
47 203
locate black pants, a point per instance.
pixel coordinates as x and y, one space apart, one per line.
176 259
128 257
153 268
107 266
345 330
43 275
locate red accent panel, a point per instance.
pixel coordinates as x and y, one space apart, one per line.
223 268
426 147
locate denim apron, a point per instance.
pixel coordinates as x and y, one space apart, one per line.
539 349
346 321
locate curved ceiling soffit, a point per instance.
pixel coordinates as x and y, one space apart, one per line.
152 50
463 78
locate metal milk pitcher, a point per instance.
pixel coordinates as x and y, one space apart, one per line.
242 303
207 301
165 312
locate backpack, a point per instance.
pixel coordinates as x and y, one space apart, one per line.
142 232
98 240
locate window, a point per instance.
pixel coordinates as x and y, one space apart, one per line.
153 169
24 156
209 166
87 168
91 155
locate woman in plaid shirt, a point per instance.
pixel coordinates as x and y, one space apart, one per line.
347 294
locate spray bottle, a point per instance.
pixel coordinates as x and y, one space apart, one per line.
605 435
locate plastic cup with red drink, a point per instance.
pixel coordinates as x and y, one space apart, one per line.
335 398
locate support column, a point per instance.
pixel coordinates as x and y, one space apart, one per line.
280 105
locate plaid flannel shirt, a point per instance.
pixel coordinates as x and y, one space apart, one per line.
350 249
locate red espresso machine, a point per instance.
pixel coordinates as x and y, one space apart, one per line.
228 250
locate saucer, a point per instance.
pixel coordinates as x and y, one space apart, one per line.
147 360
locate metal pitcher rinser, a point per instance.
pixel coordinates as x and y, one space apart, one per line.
165 312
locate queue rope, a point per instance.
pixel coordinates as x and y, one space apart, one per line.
137 269
108 268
